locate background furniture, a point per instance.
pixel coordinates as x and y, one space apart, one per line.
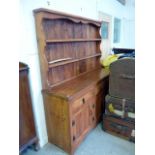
123 50
74 84
27 133
119 117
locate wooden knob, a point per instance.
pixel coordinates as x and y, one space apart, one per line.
73 123
73 138
83 100
93 106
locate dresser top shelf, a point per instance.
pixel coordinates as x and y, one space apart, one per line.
72 17
70 88
69 47
73 40
70 60
22 66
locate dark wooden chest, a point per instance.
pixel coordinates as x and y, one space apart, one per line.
27 132
122 79
119 127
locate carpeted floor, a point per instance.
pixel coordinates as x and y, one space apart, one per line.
96 142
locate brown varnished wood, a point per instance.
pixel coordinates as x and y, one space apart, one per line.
72 87
81 101
50 13
124 129
72 60
27 132
86 32
65 36
57 118
72 40
74 83
41 47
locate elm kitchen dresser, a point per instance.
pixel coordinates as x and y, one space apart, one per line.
73 81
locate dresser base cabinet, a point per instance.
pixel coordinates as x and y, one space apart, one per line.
27 132
70 117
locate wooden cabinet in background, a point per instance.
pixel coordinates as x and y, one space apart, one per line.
74 83
27 132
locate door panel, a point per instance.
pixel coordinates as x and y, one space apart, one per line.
106 33
80 123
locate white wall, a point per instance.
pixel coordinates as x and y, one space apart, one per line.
28 45
126 14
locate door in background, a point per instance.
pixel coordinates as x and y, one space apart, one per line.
106 32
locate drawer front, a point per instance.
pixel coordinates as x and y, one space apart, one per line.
119 128
79 103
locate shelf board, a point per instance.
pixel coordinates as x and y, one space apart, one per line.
62 63
91 56
93 75
72 40
71 61
60 60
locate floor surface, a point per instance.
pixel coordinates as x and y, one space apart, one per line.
97 142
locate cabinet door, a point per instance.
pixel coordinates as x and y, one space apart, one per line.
80 124
99 106
96 107
92 111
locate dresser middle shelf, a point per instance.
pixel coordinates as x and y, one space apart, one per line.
67 60
72 40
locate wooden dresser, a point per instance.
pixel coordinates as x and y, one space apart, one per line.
74 83
27 132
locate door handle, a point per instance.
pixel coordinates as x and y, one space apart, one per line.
83 101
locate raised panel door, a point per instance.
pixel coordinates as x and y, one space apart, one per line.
92 107
80 124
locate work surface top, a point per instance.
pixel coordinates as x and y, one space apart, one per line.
72 87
